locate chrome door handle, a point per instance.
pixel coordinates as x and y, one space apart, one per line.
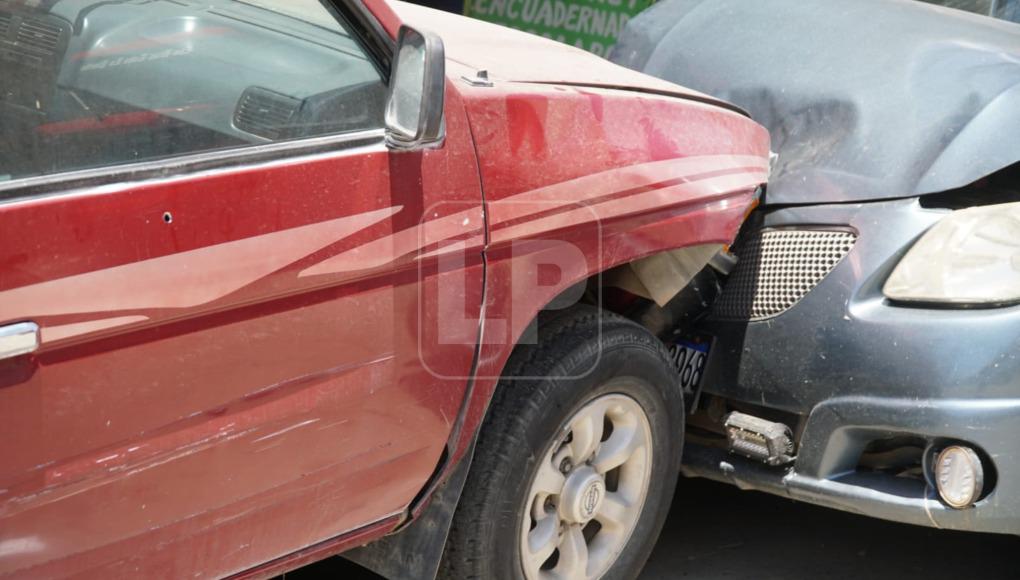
18 339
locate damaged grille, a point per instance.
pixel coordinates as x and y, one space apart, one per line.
776 268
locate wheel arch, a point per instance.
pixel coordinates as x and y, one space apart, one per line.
622 250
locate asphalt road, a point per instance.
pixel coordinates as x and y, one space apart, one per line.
718 532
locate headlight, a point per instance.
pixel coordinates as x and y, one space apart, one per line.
971 257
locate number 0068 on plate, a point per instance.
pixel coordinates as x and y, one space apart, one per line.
689 358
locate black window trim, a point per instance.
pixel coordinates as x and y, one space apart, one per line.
369 31
373 38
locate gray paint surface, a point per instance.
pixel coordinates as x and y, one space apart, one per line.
870 99
870 104
859 368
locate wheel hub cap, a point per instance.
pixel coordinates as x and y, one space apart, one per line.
588 492
582 495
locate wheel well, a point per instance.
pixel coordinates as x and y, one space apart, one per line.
660 292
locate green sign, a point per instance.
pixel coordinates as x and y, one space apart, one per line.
593 25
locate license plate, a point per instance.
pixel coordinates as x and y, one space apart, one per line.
689 358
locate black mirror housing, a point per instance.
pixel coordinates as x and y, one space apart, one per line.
414 107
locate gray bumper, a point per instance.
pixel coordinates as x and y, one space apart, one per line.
857 368
838 429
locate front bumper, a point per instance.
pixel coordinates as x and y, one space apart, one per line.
837 430
858 369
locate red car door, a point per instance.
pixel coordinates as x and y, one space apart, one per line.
236 288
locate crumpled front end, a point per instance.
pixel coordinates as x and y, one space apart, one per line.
874 388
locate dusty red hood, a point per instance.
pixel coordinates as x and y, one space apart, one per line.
511 55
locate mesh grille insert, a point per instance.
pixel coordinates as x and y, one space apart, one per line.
777 268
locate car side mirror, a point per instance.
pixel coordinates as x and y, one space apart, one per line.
414 107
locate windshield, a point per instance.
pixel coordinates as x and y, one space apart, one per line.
312 14
1002 9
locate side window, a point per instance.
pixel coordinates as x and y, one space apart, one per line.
90 84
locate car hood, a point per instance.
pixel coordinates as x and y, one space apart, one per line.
864 100
511 55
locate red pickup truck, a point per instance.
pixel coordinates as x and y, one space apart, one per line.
279 279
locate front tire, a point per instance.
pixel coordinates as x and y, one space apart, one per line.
576 462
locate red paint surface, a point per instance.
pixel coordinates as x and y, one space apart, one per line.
385 15
281 365
615 175
222 386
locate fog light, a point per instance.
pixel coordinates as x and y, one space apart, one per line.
959 476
